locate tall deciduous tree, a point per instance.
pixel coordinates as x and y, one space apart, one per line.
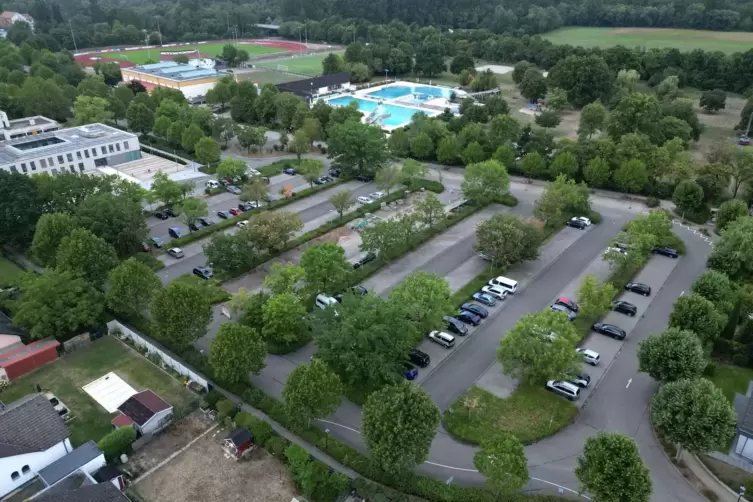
533 85
231 168
631 176
207 150
18 191
412 172
190 137
284 320
595 297
593 116
312 391
597 172
341 201
181 313
399 424
584 78
733 253
716 287
230 254
310 169
237 351
694 414
485 182
712 101
388 177
503 461
533 165
697 314
192 209
357 148
560 197
674 355
130 288
730 211
84 254
166 190
688 197
140 118
425 299
88 110
507 239
118 219
325 268
611 469
270 231
257 190
429 209
51 229
284 278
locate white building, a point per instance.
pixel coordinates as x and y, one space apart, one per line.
145 411
311 88
77 150
19 128
7 19
191 80
32 436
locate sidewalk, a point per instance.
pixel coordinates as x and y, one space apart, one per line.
705 481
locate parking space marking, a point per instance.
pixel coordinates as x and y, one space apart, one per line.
629 382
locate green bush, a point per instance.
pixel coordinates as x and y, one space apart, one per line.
212 397
253 396
652 202
595 217
276 445
117 442
225 408
245 419
508 200
710 369
149 260
262 431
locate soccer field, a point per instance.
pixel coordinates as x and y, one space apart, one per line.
684 40
143 55
306 65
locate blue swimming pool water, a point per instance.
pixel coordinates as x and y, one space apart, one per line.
398 115
423 91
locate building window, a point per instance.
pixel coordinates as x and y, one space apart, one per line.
125 145
50 162
55 172
81 166
69 156
86 153
73 170
14 476
104 150
13 169
117 146
43 163
78 155
23 168
60 159
112 150
33 165
94 152
25 469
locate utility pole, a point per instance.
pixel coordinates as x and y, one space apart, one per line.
75 47
159 32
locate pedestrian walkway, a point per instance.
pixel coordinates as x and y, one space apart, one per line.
703 480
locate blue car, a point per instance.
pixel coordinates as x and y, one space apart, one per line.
410 371
468 317
476 309
487 300
175 232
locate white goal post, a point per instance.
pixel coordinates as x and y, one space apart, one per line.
282 67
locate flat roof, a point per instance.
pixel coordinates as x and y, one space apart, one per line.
179 72
110 391
60 141
26 122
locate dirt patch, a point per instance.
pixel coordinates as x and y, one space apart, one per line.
167 442
204 472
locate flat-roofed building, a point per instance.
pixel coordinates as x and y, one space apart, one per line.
191 80
78 150
18 128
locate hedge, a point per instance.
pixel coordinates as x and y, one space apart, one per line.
117 442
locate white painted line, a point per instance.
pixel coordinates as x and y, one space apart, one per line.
683 292
562 487
453 468
341 425
629 382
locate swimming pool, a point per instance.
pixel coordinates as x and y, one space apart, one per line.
423 92
397 115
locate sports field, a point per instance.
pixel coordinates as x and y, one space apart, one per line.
306 65
685 40
143 55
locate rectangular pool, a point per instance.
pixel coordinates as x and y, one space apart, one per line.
395 115
421 92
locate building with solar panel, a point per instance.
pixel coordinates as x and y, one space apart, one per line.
191 80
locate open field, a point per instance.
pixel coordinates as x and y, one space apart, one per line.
143 55
67 375
307 65
9 272
261 76
685 40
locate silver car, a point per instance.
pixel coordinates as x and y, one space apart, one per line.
561 308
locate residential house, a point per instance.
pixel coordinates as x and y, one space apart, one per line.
103 492
146 411
7 19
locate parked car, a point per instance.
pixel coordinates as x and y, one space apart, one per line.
455 326
323 301
335 173
580 225
318 181
170 212
145 247
638 287
624 307
206 222
556 307
744 140
485 298
355 290
247 206
242 224
253 172
376 195
233 189
175 252
203 272
583 219
610 330
158 243
495 291
582 380
590 356
175 232
363 261
193 227
325 179
564 389
666 251
409 371
223 214
476 309
468 317
364 200
290 171
161 215
419 358
567 302
364 178
235 211
444 339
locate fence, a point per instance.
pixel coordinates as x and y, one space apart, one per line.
154 348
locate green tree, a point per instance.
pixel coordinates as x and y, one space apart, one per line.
730 211
140 118
192 209
533 165
236 351
507 239
412 172
312 391
519 71
506 155
84 254
117 442
207 150
388 177
693 414
250 137
733 253
540 347
697 314
399 423
175 133
502 460
399 143
56 304
425 299
88 110
231 168
181 313
230 254
301 144
248 308
474 153
333 63
287 105
597 172
422 146
271 231
504 130
161 127
118 219
655 223
560 197
448 150
584 78
485 182
190 138
631 176
310 169
593 117
257 190
341 201
564 163
717 288
326 268
50 231
130 288
595 297
688 197
548 118
284 320
284 278
533 85
668 88
611 469
556 100
166 190
357 148
712 101
429 209
675 354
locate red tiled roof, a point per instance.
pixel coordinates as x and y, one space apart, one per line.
152 401
121 421
7 14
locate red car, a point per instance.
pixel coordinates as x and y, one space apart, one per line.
568 303
235 211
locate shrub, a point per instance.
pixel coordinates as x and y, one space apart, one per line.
212 397
652 201
117 442
262 431
253 396
276 446
710 370
595 217
225 408
245 419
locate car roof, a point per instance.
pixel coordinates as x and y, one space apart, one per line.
589 352
175 249
567 385
563 299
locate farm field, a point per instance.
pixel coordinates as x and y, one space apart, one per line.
684 40
143 55
306 65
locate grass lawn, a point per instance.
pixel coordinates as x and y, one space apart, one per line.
307 65
732 379
66 377
530 413
9 272
212 288
684 40
262 76
143 55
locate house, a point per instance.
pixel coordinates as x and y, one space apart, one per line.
238 442
18 359
743 444
146 411
88 458
7 19
103 492
32 436
310 88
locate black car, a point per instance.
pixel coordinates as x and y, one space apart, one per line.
205 222
476 309
161 215
581 380
624 307
318 181
290 171
665 251
247 206
363 261
610 330
169 211
335 173
223 214
455 326
468 318
175 232
364 178
580 225
355 290
193 227
638 287
419 358
203 272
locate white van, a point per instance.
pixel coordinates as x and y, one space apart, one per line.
507 284
212 184
323 301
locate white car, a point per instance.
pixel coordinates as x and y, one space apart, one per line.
446 340
376 195
365 200
583 219
253 172
241 224
175 252
590 356
495 291
564 389
615 250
